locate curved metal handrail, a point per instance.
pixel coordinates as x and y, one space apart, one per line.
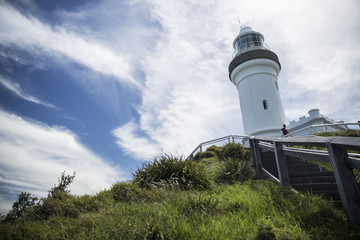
230 138
291 134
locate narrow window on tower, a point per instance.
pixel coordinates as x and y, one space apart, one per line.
265 104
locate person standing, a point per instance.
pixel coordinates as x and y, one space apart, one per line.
284 130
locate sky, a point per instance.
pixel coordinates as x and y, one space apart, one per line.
100 87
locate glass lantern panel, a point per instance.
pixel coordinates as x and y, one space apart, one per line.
248 41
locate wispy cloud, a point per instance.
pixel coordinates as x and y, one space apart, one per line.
33 155
187 97
16 89
31 34
133 143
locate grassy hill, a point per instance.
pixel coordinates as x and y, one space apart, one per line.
216 196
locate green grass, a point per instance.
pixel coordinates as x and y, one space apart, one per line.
346 133
246 209
211 166
254 209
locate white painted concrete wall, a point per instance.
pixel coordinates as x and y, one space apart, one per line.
256 81
314 118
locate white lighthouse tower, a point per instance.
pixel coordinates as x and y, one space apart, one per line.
254 70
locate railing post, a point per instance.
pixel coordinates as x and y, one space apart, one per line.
256 155
346 182
281 164
200 147
252 151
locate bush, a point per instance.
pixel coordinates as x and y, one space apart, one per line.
234 169
58 202
208 154
24 203
236 164
171 172
64 183
202 155
217 150
234 150
230 150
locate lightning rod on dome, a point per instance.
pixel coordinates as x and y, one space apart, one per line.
243 24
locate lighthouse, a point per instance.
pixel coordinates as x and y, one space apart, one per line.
254 71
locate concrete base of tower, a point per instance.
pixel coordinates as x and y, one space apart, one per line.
267 133
263 133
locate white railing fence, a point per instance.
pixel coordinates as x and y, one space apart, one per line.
227 139
317 128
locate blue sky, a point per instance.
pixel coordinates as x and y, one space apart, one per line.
99 87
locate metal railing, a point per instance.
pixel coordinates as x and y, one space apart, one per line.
345 167
229 139
316 128
238 52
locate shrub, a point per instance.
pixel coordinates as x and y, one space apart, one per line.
234 150
201 155
24 203
208 154
217 150
234 169
197 157
171 172
236 164
58 202
230 150
64 183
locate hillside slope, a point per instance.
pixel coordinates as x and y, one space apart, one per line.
216 196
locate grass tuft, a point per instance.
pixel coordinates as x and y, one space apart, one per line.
168 171
233 169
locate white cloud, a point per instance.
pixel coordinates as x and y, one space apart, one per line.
317 46
32 35
319 59
33 155
187 97
16 89
140 146
4 206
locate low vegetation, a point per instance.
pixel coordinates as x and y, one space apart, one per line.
216 196
171 172
346 133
